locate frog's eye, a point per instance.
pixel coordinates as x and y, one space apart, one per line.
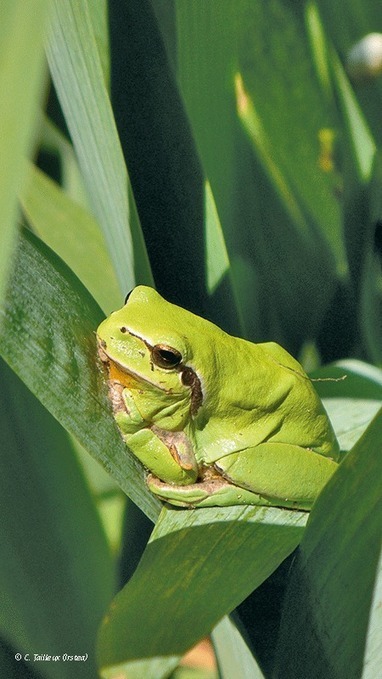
165 357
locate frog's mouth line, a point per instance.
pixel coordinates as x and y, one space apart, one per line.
119 373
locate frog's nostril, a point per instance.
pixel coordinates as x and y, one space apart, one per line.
123 329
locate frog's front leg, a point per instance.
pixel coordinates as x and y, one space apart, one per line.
283 474
169 455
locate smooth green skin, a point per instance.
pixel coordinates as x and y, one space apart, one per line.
233 423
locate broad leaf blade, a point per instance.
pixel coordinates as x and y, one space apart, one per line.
206 561
276 191
14 670
98 10
347 28
53 141
352 402
56 571
72 232
233 654
327 606
174 200
360 140
48 338
22 72
371 277
373 647
76 70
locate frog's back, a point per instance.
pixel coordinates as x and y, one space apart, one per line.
282 357
304 404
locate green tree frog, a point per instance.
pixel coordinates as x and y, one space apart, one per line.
216 420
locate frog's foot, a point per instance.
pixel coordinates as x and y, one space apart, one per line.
211 490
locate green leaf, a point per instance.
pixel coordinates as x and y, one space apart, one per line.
373 650
318 45
54 142
174 199
73 234
352 402
206 561
233 654
217 263
359 137
51 600
48 338
184 672
14 670
359 156
347 28
98 10
276 189
292 111
22 72
331 604
371 275
76 70
362 380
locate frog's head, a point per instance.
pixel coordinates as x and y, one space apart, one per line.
147 348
